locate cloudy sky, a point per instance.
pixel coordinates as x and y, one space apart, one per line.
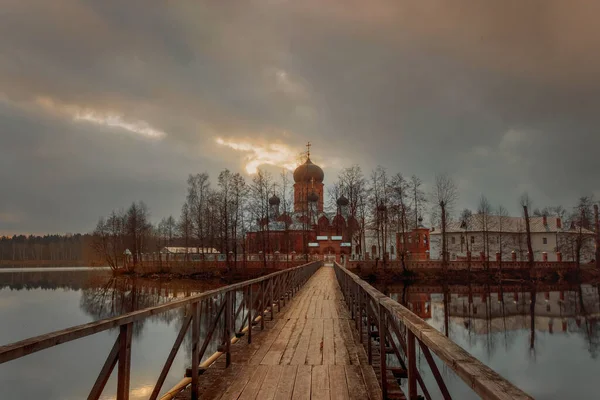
103 103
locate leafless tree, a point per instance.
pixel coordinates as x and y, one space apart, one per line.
444 196
109 239
262 184
380 199
400 199
353 184
484 219
418 198
185 227
503 224
526 204
137 228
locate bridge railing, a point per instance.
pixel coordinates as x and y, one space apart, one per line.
230 311
400 332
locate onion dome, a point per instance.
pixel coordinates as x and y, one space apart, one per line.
313 197
274 201
342 201
381 207
309 172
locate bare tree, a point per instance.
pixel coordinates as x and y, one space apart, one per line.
109 239
526 204
353 184
582 218
400 197
380 198
597 235
137 228
418 198
503 224
185 227
260 189
484 211
444 196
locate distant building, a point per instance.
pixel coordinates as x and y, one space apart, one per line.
189 250
496 236
417 242
308 229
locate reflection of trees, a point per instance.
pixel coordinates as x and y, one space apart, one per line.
120 295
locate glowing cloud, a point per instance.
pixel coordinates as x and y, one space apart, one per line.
276 154
108 119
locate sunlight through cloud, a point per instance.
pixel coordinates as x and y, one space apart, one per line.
275 154
108 119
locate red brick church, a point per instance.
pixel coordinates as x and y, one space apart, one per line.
308 229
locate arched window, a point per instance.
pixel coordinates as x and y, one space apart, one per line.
392 250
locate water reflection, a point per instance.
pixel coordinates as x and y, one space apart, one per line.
528 333
37 302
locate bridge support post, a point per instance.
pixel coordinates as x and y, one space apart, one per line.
124 371
249 304
412 365
195 350
382 353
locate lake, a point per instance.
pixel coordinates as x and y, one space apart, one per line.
38 301
548 347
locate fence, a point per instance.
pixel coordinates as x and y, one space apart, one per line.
400 331
234 309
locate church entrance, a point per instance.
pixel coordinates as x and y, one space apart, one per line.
329 255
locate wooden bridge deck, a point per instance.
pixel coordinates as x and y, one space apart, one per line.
309 351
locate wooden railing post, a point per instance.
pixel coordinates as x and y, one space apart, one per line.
124 371
250 319
263 289
227 326
195 350
382 353
412 365
271 299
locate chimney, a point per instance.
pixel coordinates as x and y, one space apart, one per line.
545 219
558 223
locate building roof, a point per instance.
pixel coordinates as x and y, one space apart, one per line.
189 250
309 172
477 223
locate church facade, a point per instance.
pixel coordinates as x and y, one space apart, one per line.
308 230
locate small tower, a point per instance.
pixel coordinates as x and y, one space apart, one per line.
274 206
342 204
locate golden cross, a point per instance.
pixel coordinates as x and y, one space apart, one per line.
308 149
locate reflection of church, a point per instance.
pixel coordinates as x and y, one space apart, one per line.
308 229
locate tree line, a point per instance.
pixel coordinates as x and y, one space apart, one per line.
218 215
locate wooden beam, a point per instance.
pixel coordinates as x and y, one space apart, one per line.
104 375
124 371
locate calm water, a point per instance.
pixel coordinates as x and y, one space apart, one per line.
41 301
548 347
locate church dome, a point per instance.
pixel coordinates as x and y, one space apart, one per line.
274 201
342 201
313 197
308 172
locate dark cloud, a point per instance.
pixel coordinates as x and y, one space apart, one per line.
503 95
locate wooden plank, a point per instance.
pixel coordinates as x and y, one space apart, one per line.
285 388
371 382
341 353
349 341
315 354
302 386
271 336
320 383
290 349
255 383
269 385
337 382
275 353
302 347
328 343
357 387
242 379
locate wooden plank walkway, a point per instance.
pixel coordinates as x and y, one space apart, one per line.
310 351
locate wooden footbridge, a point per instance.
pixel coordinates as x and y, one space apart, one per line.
309 332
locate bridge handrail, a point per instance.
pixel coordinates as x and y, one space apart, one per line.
479 377
272 288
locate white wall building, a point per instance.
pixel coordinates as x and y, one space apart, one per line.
494 234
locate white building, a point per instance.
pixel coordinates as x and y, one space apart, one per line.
494 234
